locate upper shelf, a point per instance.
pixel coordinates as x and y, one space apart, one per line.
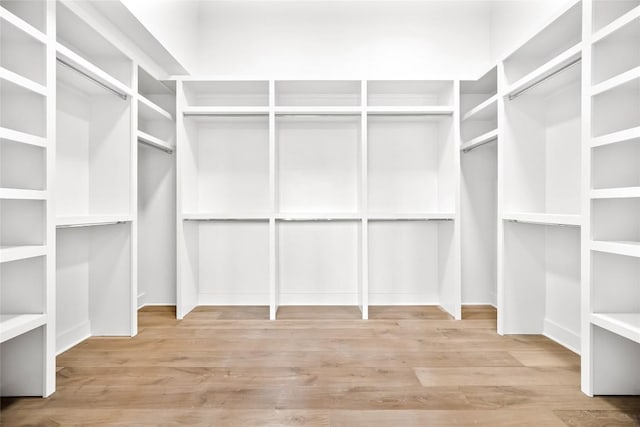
487 110
543 219
230 93
29 16
623 324
318 93
13 325
607 14
410 93
149 110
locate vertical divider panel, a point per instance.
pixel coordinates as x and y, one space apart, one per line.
133 203
49 353
502 85
273 200
586 332
184 304
364 205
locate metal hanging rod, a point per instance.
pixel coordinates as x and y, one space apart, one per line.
124 96
157 147
544 79
226 219
316 115
411 219
466 150
93 224
186 114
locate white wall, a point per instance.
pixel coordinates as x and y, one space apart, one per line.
174 23
371 39
512 22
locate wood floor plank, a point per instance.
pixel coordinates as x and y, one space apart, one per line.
324 366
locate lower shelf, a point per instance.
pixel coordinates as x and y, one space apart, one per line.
16 253
12 325
623 324
618 248
543 218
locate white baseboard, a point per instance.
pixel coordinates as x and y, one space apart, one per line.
141 300
72 337
562 335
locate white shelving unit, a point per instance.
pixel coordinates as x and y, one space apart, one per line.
479 187
539 163
611 304
294 175
96 195
27 228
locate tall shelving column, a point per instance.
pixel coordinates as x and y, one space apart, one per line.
539 162
611 181
27 234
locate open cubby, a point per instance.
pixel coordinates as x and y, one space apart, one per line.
23 222
318 262
22 166
626 172
615 283
615 363
162 93
318 163
479 106
22 364
300 93
474 92
79 36
226 262
409 93
21 109
607 11
616 53
556 38
411 262
226 93
617 109
411 161
93 150
23 286
94 294
22 54
541 292
226 165
33 12
616 220
542 148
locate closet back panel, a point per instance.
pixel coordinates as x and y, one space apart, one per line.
22 54
409 93
607 11
615 361
22 286
318 164
33 12
616 283
22 110
626 158
22 166
226 93
617 109
319 262
22 222
22 364
317 93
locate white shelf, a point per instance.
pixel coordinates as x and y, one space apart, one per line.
547 69
16 253
229 216
320 110
148 110
317 216
225 111
156 142
23 82
623 324
613 138
436 110
13 325
480 140
408 216
616 25
91 70
91 220
616 193
15 194
22 137
616 81
22 25
543 219
619 247
483 111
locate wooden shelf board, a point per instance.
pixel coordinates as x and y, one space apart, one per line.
225 111
320 110
436 110
543 219
613 138
13 325
16 253
616 81
149 110
25 138
317 216
483 111
623 324
616 193
627 248
22 25
156 142
418 216
22 82
17 194
91 220
480 140
226 216
616 25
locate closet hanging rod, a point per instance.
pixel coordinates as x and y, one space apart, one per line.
410 219
157 147
226 219
93 224
124 96
544 79
188 114
552 224
468 149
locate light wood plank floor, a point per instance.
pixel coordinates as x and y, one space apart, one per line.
320 366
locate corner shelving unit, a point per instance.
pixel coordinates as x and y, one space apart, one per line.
611 306
479 187
539 241
96 197
295 175
27 230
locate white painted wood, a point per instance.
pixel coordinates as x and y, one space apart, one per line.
24 138
483 110
624 324
13 325
23 82
156 142
487 137
619 248
19 194
620 21
91 220
149 110
429 110
613 138
318 110
616 193
9 14
544 219
616 81
17 253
